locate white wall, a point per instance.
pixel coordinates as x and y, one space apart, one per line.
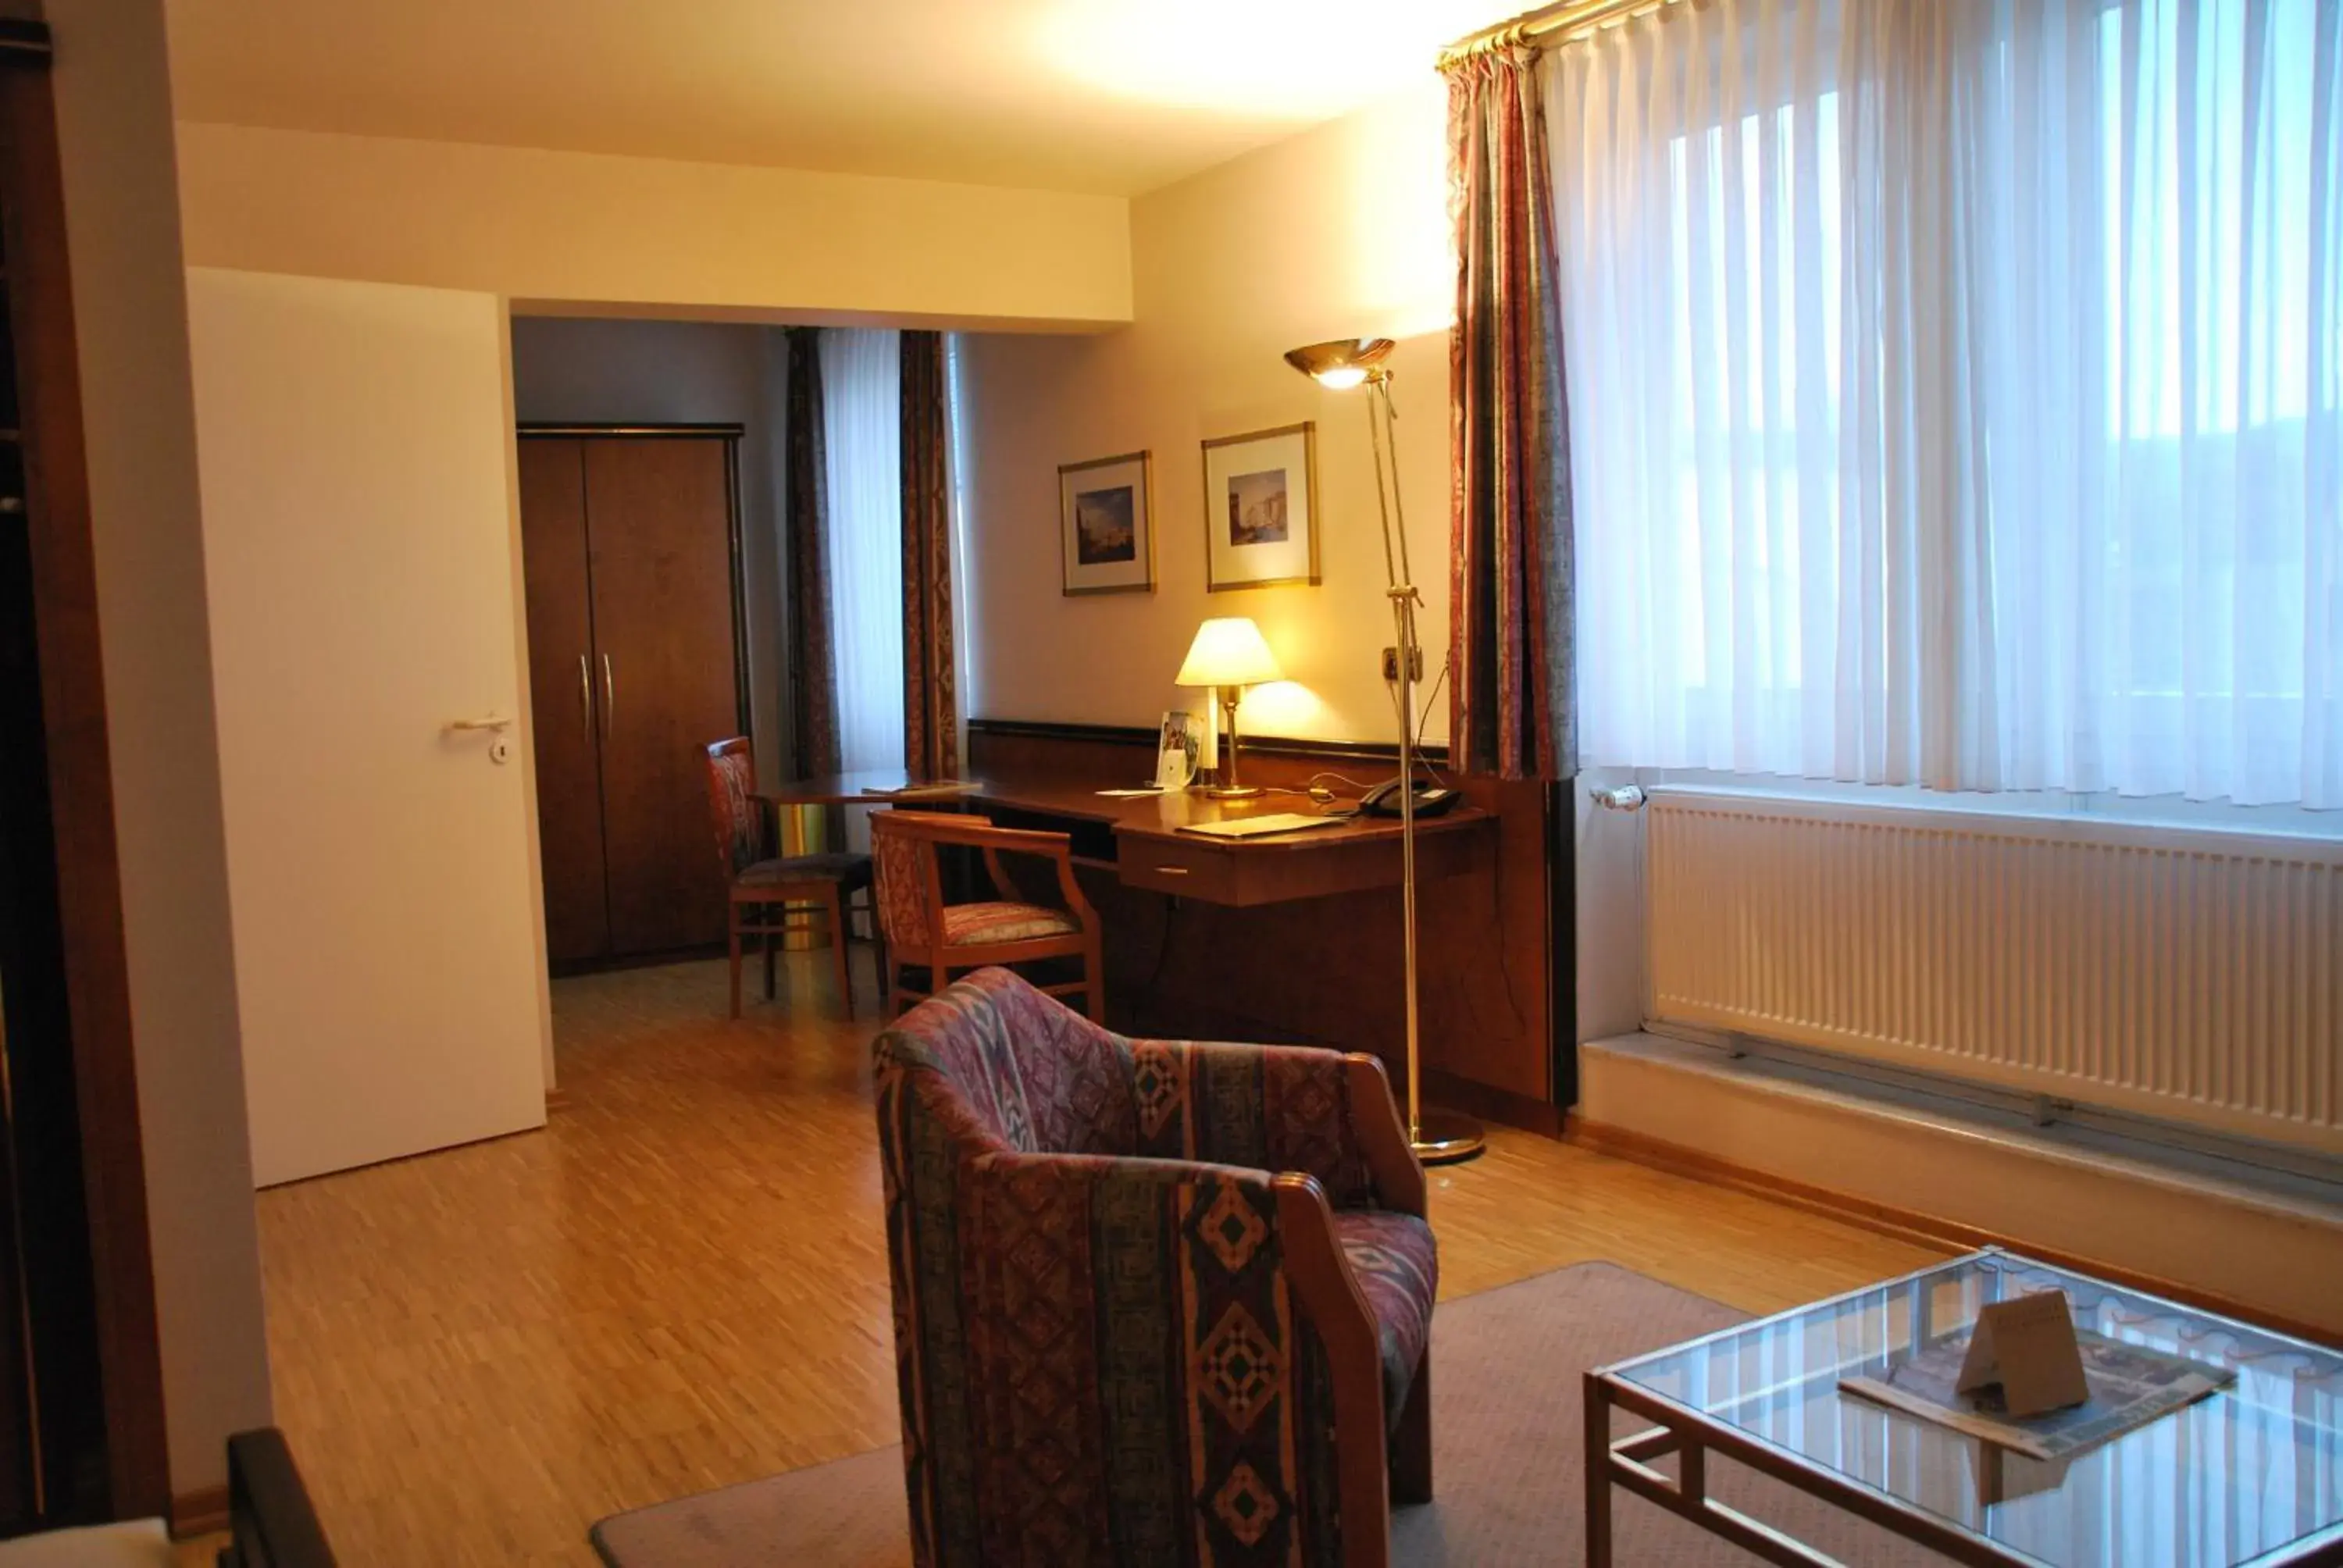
680 372
115 131
596 235
1608 867
1339 232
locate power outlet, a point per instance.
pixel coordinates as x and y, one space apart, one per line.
1414 664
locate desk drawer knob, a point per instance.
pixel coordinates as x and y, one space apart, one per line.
1171 870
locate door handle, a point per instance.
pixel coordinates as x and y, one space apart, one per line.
494 724
610 699
585 698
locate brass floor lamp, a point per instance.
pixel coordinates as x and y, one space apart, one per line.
1440 1136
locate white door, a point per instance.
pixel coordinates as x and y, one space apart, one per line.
356 453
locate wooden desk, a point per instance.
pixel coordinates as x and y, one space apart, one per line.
1139 837
1296 939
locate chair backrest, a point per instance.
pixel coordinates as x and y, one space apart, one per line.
741 840
997 1062
906 882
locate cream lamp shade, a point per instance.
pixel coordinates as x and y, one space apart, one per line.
1229 651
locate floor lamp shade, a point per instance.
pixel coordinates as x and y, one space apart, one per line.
1341 364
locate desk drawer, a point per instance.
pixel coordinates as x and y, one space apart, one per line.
1181 866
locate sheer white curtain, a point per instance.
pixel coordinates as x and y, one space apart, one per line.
1955 393
861 384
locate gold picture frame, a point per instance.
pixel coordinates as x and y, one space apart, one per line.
1106 525
1260 509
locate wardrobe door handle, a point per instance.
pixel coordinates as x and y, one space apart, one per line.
610 699
585 698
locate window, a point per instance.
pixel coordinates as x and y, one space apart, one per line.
1956 393
862 383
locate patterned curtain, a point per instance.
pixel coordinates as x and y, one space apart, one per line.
1510 672
813 662
931 723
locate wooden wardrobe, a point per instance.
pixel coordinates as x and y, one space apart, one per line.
630 542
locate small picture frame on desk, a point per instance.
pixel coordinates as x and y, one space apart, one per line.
1106 525
1182 741
1260 509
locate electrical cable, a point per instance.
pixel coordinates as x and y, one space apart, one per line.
1338 778
1416 744
1163 952
1425 718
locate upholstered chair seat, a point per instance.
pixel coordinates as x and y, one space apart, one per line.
984 924
1156 1302
853 870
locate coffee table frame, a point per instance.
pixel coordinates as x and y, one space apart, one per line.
1693 1435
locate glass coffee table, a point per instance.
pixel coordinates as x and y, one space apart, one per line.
2251 1474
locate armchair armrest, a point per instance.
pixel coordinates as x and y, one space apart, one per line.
1056 847
1323 1114
1337 1308
1382 1135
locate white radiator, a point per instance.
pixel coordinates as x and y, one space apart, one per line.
2192 976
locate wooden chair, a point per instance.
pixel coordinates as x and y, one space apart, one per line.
762 886
920 930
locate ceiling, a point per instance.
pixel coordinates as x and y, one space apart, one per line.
1113 96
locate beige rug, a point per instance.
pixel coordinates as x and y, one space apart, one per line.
1505 1458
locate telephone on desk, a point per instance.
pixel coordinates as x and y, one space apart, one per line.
1431 799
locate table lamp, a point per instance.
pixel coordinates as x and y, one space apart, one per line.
1438 1137
1229 655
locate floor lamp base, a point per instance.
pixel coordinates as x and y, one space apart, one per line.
1446 1137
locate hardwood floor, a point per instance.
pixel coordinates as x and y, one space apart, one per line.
679 1285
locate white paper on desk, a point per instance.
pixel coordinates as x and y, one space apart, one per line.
1131 794
1256 826
925 791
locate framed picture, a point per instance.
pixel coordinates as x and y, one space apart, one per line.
1260 509
1106 525
1175 761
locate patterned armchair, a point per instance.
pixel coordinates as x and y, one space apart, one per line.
1155 1301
